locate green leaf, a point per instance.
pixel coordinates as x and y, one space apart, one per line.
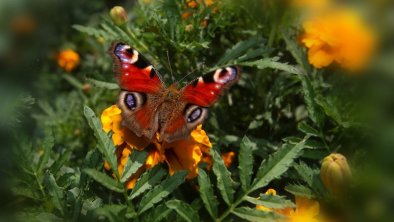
112 212
56 192
184 210
102 84
158 213
206 193
272 64
73 81
270 201
314 111
252 214
47 147
297 52
245 159
223 178
134 162
105 146
305 172
147 180
300 190
277 164
307 129
238 50
161 191
105 180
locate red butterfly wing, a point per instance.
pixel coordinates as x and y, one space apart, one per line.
133 71
205 90
141 87
191 110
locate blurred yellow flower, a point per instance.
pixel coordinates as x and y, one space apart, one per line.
68 60
179 155
338 36
306 210
228 158
311 4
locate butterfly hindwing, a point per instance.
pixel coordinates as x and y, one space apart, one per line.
195 98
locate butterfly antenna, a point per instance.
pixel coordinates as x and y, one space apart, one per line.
186 76
169 63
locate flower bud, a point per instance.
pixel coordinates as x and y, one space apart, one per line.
118 15
335 172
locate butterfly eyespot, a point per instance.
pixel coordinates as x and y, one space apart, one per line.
130 101
194 115
226 75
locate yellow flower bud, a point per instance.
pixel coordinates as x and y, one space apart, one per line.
335 172
118 15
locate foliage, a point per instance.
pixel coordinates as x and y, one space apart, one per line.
281 119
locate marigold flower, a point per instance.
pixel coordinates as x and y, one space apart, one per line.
191 6
179 155
337 36
118 15
228 158
310 4
68 60
306 210
335 172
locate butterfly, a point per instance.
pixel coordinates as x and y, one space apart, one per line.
149 107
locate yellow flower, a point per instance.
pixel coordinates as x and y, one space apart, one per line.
68 60
228 158
179 155
310 4
306 210
337 36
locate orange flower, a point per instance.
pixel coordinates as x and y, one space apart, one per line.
68 60
228 158
337 36
191 7
305 211
179 155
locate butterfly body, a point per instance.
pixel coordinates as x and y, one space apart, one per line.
149 107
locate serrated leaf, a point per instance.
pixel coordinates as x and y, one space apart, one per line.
105 146
272 64
271 201
314 111
147 180
246 161
105 180
223 178
47 145
161 191
238 50
296 52
307 129
184 210
56 192
252 214
300 190
305 172
112 212
102 84
158 213
133 163
206 193
277 164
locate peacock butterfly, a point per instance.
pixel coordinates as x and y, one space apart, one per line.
148 106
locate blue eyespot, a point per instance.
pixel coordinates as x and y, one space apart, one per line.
194 115
130 101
